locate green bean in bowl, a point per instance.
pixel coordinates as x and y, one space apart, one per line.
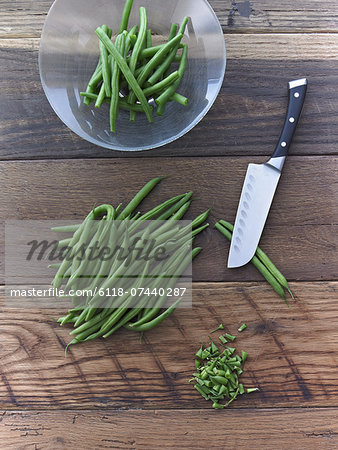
149 73
129 75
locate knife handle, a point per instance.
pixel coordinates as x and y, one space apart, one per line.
297 93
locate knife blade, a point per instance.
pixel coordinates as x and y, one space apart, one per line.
260 185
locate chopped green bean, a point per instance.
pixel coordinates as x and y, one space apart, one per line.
230 337
180 99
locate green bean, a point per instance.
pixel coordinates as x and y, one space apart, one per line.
200 219
128 317
140 40
87 332
170 91
160 209
97 76
89 323
149 39
66 228
161 85
168 224
81 317
126 72
94 81
103 271
176 206
75 241
180 268
67 319
77 264
154 62
107 327
161 69
176 265
123 104
199 230
101 96
125 15
263 257
269 277
64 243
151 51
180 99
159 319
258 264
89 95
133 39
139 45
160 109
115 81
224 231
54 266
242 327
106 72
180 213
173 31
133 204
265 260
130 40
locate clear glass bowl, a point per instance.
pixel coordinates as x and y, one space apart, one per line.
69 53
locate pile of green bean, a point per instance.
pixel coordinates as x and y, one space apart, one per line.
218 372
92 319
262 263
134 65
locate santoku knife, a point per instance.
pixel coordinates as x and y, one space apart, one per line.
260 185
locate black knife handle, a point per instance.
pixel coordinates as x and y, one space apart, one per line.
297 93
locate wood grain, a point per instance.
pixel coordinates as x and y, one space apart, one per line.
300 428
25 18
300 235
292 353
246 118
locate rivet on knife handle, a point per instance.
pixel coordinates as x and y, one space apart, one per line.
261 183
297 93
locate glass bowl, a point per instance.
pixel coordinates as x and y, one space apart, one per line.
69 53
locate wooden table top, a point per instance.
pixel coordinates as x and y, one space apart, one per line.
123 393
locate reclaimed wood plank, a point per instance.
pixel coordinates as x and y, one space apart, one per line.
310 428
300 235
246 118
25 18
292 353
